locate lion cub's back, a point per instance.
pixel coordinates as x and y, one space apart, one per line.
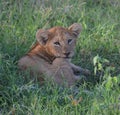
35 64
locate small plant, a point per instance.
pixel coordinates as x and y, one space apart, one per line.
103 69
99 64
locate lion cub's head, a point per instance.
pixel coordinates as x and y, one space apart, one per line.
59 41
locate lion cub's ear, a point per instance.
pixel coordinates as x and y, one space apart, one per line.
42 36
76 29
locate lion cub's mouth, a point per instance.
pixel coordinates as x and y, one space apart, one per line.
66 57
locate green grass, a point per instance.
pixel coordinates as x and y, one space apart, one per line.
100 19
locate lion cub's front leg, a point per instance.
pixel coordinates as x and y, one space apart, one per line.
63 72
79 71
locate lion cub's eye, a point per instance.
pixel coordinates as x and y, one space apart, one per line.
57 43
69 41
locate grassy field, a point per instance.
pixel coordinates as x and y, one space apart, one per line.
98 49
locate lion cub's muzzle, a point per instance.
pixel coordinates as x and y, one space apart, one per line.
66 54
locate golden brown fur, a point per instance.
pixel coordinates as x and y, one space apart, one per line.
51 55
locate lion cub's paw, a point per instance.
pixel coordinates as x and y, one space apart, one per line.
87 72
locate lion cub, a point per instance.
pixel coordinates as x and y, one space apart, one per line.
50 56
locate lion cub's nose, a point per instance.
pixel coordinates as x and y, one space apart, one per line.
67 54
